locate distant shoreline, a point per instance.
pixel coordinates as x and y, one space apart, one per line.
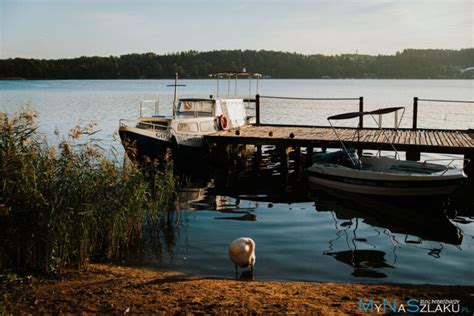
408 64
123 79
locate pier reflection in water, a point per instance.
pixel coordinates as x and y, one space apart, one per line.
403 222
317 235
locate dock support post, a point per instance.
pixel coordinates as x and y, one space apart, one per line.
298 165
228 152
413 155
309 156
258 156
219 155
282 152
361 109
415 112
259 152
257 109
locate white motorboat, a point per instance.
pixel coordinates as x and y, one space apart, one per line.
182 132
377 175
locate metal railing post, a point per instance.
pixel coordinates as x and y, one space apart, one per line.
361 109
257 109
415 112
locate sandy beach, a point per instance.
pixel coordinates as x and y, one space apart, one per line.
116 289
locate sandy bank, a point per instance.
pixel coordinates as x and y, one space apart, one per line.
116 289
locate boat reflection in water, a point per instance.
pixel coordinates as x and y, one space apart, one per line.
237 191
370 238
418 220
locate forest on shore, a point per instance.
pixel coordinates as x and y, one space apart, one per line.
408 64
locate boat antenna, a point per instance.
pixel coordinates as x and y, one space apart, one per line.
175 97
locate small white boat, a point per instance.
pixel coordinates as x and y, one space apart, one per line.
182 133
377 175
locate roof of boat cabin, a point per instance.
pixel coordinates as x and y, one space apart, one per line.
195 99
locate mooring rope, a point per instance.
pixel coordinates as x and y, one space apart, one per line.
309 99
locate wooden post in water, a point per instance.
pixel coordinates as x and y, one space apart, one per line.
415 112
298 165
361 122
281 150
413 154
258 156
309 156
257 109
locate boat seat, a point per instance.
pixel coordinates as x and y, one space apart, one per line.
340 157
409 169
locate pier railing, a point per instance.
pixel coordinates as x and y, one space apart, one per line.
258 104
416 100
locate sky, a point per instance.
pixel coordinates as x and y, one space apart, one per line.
52 29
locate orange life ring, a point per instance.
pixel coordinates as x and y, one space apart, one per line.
223 121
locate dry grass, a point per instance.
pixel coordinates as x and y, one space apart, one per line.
62 205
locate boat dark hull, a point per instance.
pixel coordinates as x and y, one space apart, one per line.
142 147
139 146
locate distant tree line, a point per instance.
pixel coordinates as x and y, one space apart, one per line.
409 64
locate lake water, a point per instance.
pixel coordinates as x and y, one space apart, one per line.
300 234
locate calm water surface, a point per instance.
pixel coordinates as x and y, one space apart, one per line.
301 234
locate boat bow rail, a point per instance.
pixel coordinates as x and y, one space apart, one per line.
465 161
154 103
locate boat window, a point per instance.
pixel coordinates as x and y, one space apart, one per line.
189 106
208 126
188 127
152 125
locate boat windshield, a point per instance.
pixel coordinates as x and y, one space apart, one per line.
195 106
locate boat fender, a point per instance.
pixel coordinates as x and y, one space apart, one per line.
223 122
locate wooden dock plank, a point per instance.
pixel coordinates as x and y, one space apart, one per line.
466 140
397 137
458 139
434 140
447 139
424 140
438 139
455 139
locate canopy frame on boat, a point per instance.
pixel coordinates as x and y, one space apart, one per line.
235 75
350 115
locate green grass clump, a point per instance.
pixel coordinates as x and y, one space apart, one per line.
61 205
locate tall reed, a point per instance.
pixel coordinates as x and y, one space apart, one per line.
62 205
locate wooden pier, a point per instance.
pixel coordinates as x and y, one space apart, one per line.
434 141
412 141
